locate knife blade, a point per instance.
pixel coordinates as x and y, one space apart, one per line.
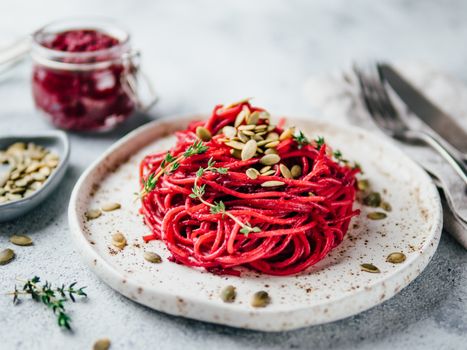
427 111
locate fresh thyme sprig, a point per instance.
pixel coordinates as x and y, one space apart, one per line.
53 297
170 163
300 138
198 192
319 142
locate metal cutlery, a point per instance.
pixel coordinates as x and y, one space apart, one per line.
385 115
443 127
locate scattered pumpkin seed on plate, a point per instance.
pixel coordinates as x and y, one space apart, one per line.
396 258
92 214
152 257
111 206
228 294
369 268
376 215
119 240
260 299
21 240
372 200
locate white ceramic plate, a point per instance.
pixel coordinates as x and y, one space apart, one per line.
333 289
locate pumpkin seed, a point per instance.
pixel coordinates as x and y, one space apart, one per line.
101 344
21 240
270 159
228 294
264 115
52 163
369 268
270 151
272 184
38 176
22 182
152 257
3 199
17 190
269 172
386 206
257 137
235 145
272 136
13 197
111 206
296 171
376 215
252 173
246 127
229 131
396 258
15 148
363 184
263 142
260 299
271 128
203 133
372 200
285 171
248 133
93 214
241 117
264 169
32 167
242 137
261 127
249 150
253 118
35 185
236 153
233 104
6 256
272 144
119 240
286 134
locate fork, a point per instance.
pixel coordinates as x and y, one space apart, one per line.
386 117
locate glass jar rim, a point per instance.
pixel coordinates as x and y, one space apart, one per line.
102 24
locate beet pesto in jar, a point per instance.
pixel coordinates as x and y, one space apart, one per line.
81 74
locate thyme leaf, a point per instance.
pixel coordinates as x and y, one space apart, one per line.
300 138
52 297
319 142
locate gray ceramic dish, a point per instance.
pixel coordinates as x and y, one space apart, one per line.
57 142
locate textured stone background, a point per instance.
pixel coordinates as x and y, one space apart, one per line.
199 53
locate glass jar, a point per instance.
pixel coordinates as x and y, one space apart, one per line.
85 74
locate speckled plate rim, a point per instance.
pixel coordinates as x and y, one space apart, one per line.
201 309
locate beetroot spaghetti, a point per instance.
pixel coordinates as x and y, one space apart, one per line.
238 191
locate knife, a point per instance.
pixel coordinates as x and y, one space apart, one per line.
432 115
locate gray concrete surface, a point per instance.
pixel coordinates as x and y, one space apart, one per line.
199 53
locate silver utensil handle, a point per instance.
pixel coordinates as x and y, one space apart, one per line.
457 164
14 53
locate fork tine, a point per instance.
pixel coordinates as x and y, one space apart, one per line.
369 99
